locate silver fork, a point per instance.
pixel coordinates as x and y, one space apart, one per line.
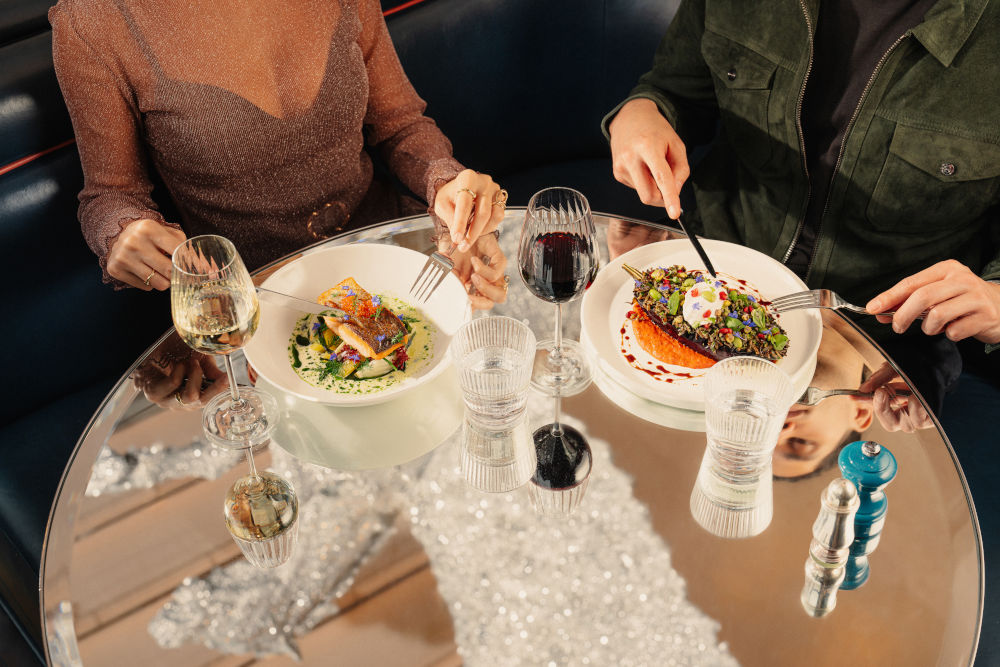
814 395
823 298
436 269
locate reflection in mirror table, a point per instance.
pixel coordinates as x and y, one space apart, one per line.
401 562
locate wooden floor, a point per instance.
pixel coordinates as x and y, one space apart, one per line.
392 615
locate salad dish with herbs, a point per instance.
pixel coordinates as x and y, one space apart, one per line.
688 318
366 343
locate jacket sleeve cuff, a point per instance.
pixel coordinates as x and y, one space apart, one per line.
642 93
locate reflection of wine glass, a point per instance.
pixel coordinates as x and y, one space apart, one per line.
563 469
215 310
558 260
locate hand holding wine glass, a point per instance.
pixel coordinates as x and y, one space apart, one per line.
214 305
558 259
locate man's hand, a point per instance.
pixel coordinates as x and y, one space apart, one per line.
648 155
959 303
896 408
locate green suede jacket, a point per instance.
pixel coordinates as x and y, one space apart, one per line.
918 178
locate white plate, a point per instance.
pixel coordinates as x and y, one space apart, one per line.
610 296
380 269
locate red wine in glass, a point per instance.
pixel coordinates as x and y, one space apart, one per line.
558 266
558 259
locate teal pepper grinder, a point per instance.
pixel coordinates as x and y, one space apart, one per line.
870 467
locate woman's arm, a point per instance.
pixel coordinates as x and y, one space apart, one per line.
416 150
116 191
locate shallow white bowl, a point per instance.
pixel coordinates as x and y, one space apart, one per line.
380 269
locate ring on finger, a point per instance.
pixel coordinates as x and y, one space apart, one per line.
506 283
149 277
500 198
180 401
469 190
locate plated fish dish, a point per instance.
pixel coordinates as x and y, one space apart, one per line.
690 319
366 343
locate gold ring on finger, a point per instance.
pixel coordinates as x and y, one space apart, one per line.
469 190
500 198
180 400
149 277
506 283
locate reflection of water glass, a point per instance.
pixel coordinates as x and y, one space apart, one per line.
747 399
494 357
497 460
262 514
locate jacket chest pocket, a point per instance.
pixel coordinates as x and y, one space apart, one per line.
932 181
743 79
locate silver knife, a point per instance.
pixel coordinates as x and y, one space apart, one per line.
295 303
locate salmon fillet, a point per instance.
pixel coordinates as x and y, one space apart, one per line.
374 331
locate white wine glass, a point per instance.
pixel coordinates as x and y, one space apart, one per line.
215 310
558 259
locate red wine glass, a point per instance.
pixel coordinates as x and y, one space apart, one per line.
558 258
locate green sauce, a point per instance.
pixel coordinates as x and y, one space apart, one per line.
311 363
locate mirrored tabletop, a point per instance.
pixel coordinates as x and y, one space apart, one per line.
400 561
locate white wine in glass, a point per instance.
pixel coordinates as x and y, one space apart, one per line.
215 310
214 305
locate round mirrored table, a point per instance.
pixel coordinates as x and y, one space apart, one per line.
400 562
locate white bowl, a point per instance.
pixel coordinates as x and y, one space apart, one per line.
379 269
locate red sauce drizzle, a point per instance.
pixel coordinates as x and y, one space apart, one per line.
661 374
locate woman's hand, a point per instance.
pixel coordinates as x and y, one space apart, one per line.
471 205
482 268
896 408
141 255
176 377
648 155
960 303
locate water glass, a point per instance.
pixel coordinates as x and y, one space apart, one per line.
747 399
494 357
497 460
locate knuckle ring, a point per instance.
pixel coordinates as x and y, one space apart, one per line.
469 190
149 277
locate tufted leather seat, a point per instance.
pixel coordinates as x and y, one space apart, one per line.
518 85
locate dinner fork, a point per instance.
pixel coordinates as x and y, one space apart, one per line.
814 395
823 298
435 270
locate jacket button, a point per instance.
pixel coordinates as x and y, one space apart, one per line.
731 75
947 169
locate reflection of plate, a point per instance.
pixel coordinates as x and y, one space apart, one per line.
344 438
657 413
380 269
608 299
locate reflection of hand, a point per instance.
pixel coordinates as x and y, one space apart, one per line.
142 250
176 377
481 267
895 407
961 304
624 236
454 204
648 155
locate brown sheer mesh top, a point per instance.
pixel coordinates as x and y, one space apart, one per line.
255 114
